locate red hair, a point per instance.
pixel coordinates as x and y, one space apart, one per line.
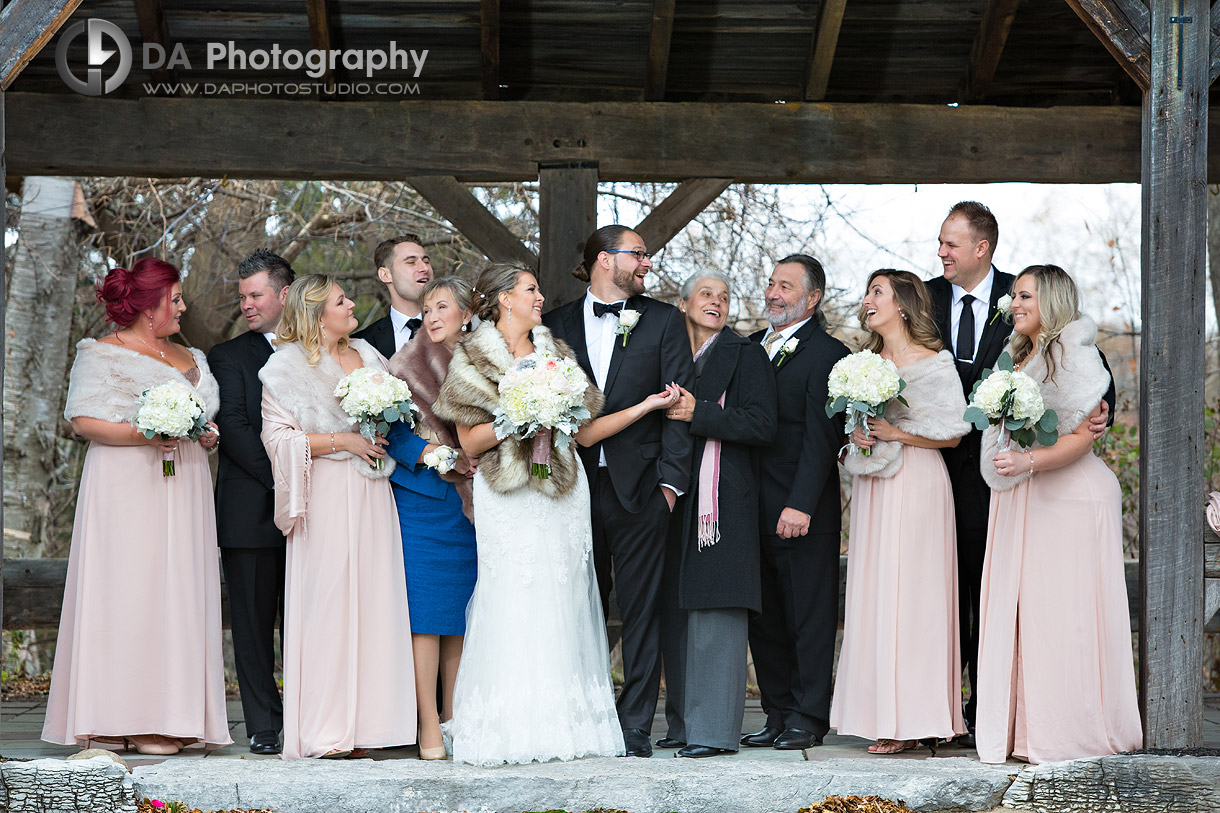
126 293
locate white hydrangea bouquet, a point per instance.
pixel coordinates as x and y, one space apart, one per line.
540 395
1011 399
170 410
442 459
375 399
862 385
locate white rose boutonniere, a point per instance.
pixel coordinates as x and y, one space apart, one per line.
1003 307
442 459
788 348
627 320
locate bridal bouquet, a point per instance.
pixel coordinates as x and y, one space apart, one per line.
1012 400
862 385
540 395
169 410
375 399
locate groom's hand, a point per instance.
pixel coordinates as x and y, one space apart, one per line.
792 523
670 497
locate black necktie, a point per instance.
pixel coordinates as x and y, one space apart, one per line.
965 333
414 325
600 309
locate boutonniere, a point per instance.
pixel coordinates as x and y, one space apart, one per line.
442 459
1003 307
627 320
787 350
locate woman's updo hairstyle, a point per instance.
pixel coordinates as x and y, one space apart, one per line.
495 279
128 293
607 238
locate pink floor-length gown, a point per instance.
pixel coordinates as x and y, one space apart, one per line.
139 648
1056 676
899 674
349 680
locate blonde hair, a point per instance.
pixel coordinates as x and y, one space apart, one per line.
495 279
1058 307
914 303
302 318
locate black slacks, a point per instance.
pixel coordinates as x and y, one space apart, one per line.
254 579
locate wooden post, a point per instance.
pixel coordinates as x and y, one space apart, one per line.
1174 185
567 215
3 304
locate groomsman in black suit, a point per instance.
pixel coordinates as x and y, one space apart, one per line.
405 268
793 638
251 547
635 476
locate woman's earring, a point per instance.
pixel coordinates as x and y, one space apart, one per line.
904 315
150 326
465 327
509 321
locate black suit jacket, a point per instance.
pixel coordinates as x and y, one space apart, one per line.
801 469
380 334
653 450
245 487
995 330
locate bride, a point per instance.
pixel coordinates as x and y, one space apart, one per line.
534 683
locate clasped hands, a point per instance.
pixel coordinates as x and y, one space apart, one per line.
878 429
209 440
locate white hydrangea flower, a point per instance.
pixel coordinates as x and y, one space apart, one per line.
171 410
989 397
1027 399
541 392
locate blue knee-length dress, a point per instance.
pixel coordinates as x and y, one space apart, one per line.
438 542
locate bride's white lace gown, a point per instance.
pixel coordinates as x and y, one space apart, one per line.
534 682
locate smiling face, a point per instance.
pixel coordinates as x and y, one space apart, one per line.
880 307
708 305
524 301
337 319
964 258
788 299
261 304
1026 317
627 271
409 270
167 316
443 317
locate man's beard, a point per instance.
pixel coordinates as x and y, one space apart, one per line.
626 280
791 313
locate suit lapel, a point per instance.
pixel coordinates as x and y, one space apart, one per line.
260 349
995 331
573 317
801 336
616 357
944 303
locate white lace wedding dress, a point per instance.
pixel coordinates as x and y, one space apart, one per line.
534 681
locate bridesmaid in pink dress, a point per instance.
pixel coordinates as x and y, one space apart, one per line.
900 666
349 680
138 660
1056 677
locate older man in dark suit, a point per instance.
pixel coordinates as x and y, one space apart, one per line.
405 268
252 548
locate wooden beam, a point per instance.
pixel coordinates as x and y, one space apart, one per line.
459 206
1174 298
25 27
681 206
567 215
822 49
155 29
1125 38
490 34
989 43
320 33
658 49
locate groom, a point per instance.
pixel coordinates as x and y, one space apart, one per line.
635 476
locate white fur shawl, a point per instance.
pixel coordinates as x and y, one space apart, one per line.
471 394
934 393
1079 383
307 391
106 380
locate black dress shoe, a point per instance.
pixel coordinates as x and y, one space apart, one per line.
265 742
762 739
701 751
637 742
966 740
795 739
669 742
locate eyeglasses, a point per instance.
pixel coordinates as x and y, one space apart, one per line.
640 256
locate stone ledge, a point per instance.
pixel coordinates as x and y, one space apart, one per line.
639 786
1122 784
97 785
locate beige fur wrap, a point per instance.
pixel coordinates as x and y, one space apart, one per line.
470 395
934 393
106 380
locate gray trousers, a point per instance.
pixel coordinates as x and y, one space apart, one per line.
705 675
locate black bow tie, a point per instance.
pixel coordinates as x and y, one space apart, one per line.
414 325
600 309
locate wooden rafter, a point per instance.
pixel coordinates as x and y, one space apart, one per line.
25 27
989 44
1124 31
658 49
319 32
459 206
822 49
681 207
154 29
490 35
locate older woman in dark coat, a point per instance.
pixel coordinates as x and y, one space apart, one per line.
712 555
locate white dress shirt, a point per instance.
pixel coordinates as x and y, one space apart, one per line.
599 340
980 305
402 333
271 340
787 333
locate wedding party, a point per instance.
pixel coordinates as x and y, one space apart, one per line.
436 514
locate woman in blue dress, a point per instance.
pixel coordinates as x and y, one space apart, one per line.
434 510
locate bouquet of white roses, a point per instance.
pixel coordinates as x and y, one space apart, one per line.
170 410
862 385
375 399
1012 400
442 459
539 395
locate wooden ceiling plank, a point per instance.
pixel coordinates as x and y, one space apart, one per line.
490 36
25 27
658 49
320 34
154 29
822 49
988 47
1127 40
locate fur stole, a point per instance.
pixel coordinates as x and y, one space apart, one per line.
470 395
934 393
308 393
106 380
423 364
1079 383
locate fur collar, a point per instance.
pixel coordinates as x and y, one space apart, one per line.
1079 383
471 394
106 380
934 393
308 393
